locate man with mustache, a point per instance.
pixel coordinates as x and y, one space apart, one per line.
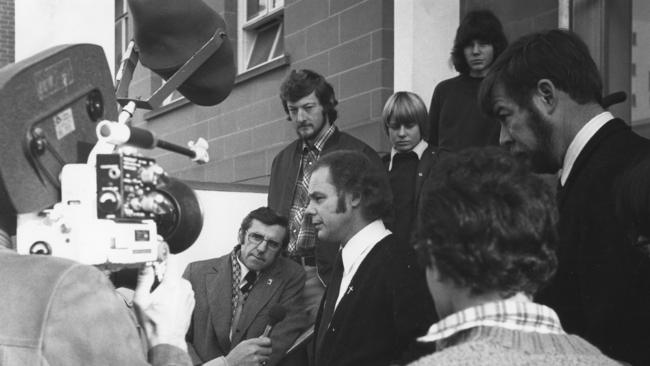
310 104
546 92
235 295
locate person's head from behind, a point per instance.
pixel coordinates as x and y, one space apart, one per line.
486 229
534 90
633 204
263 234
346 190
405 120
479 41
309 101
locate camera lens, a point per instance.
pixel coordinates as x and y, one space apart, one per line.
95 105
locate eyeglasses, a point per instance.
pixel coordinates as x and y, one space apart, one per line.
257 239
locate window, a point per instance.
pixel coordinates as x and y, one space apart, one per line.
122 36
262 32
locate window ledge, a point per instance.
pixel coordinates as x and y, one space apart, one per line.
264 19
262 69
166 108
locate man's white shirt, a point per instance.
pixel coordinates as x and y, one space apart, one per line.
580 141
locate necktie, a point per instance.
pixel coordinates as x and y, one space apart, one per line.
249 279
331 294
242 294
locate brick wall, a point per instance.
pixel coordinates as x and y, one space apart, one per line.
7 32
348 41
518 17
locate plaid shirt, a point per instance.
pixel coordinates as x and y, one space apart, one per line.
302 239
515 313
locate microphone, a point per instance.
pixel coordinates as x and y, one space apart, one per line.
276 315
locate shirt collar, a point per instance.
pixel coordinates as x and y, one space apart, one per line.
580 140
243 269
516 313
364 240
321 139
417 149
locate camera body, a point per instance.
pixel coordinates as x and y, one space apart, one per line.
102 217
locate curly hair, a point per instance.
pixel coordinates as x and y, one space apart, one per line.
405 107
268 217
481 25
558 55
352 172
488 224
301 83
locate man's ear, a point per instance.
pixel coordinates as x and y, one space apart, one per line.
240 236
546 96
354 199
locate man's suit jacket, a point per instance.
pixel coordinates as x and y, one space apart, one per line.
58 312
284 175
209 334
602 288
386 306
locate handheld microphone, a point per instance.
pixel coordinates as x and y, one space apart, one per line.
276 315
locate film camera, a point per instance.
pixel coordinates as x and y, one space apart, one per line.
77 194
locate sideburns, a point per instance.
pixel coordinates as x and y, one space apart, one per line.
340 204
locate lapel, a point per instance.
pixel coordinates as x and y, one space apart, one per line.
359 279
258 298
424 167
219 290
292 174
583 158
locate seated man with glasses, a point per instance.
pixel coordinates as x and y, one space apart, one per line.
234 294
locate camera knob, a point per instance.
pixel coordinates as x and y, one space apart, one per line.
41 248
109 202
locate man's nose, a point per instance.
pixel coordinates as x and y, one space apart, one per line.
309 210
300 115
505 139
476 47
401 131
261 247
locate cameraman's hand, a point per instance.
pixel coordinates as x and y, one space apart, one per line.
251 352
166 312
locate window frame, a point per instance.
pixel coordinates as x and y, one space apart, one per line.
250 30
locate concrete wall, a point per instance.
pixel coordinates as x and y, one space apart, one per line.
348 41
424 36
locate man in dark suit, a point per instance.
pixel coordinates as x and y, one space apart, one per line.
377 301
546 92
235 293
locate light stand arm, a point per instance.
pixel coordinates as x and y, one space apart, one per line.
176 80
